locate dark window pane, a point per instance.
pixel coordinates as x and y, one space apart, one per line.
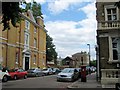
108 11
114 17
115 55
109 17
114 45
114 10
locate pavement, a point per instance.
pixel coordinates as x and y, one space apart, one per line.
91 82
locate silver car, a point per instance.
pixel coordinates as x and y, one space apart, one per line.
47 71
35 72
68 74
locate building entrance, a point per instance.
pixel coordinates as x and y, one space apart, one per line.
26 63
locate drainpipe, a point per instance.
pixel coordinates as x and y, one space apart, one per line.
19 45
38 46
7 50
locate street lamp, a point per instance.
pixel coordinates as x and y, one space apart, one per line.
89 53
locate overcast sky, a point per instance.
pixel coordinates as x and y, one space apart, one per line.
71 24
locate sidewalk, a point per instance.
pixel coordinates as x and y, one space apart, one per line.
90 82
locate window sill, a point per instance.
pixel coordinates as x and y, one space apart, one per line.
114 61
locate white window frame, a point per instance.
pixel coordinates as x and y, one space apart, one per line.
35 42
27 27
16 58
27 24
35 30
108 7
111 51
34 60
27 43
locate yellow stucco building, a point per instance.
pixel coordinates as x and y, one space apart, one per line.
24 46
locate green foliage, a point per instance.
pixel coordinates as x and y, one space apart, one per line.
93 63
51 54
10 11
35 7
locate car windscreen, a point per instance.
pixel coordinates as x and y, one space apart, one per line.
44 69
67 70
30 70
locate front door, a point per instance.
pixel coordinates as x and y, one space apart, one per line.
26 63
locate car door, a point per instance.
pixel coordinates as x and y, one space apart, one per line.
21 73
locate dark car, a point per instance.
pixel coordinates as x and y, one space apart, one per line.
35 72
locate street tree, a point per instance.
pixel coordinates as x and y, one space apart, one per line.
35 8
93 63
51 54
10 12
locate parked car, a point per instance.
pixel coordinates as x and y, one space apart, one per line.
56 70
35 72
68 74
18 73
4 75
47 71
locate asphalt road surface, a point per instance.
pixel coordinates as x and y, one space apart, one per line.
36 82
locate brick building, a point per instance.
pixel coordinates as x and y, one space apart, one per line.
24 46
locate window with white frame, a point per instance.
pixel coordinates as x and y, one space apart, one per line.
35 42
35 30
111 13
16 59
27 24
116 48
34 60
26 40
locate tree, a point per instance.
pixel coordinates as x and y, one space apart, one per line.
51 54
93 63
10 11
35 7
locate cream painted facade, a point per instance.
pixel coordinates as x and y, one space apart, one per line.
24 46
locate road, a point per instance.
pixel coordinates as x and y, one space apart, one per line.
36 82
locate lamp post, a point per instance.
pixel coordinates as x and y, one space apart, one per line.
89 53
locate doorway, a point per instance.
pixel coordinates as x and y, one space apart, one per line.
26 63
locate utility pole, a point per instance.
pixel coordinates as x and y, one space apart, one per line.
89 53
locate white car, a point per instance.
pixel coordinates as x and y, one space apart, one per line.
47 71
4 75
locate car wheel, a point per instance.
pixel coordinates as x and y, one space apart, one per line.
25 76
15 77
5 79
